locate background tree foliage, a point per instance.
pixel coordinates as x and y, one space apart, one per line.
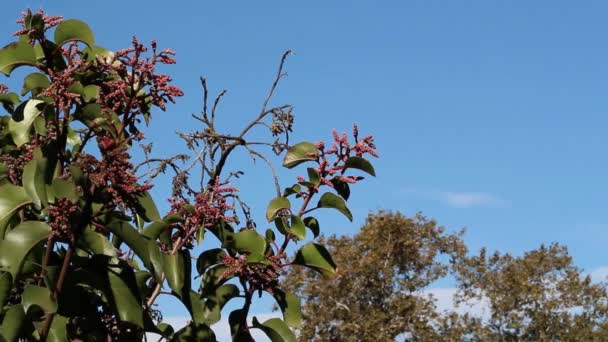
84 251
384 269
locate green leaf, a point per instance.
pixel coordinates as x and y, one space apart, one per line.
127 300
312 224
215 302
73 29
96 243
318 258
12 198
16 54
63 188
341 187
175 267
23 118
275 329
330 200
275 206
14 320
194 332
35 83
147 208
154 229
38 296
209 258
34 180
313 176
91 92
360 163
137 242
299 153
297 228
6 282
248 241
73 138
58 332
294 189
90 53
212 279
290 306
270 238
239 331
18 242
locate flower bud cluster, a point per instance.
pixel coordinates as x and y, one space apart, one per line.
259 276
209 207
61 215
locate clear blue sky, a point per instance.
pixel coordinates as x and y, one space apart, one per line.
488 115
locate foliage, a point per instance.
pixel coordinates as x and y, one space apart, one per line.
540 296
84 251
383 268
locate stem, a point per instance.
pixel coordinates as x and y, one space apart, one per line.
62 275
47 258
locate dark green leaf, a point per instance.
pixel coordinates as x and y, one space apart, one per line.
137 242
16 54
275 329
147 208
215 302
209 258
6 282
18 242
299 153
34 180
38 296
341 187
329 200
270 236
213 278
297 228
360 163
238 327
275 206
126 298
23 118
194 332
290 306
318 258
91 92
73 29
312 224
63 188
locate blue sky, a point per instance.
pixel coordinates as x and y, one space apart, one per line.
488 115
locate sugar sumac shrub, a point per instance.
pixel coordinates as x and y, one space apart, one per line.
84 252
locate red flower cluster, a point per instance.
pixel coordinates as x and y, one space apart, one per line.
210 206
260 277
3 89
333 171
113 176
34 25
132 84
61 213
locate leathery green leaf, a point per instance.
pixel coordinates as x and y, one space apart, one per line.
330 200
318 258
209 258
299 153
35 82
275 329
248 241
34 180
38 296
6 282
16 54
148 209
360 163
13 320
275 206
127 301
73 29
18 242
290 306
22 120
12 198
